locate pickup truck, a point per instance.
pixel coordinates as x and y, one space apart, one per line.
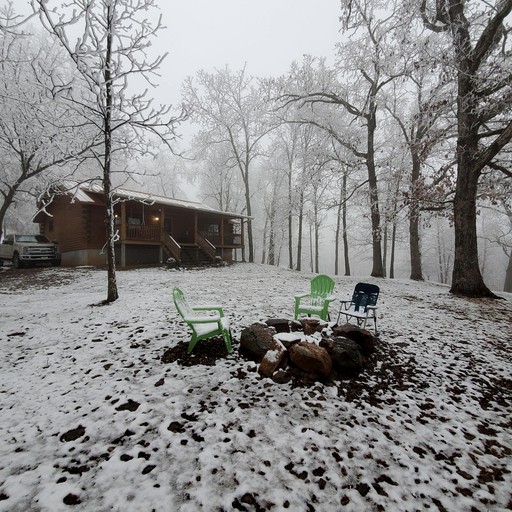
26 250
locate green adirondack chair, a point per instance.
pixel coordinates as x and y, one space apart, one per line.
317 301
205 321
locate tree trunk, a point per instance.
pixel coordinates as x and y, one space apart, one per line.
263 251
317 239
467 279
508 275
414 223
271 238
385 248
311 258
112 293
378 268
250 240
299 234
8 199
392 256
337 236
345 227
290 220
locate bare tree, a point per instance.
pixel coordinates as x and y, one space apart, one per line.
232 110
364 68
40 133
481 57
112 38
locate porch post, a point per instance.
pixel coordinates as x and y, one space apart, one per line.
195 227
123 221
123 234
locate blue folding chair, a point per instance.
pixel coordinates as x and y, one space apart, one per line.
362 306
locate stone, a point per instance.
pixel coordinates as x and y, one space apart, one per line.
312 325
295 326
273 359
364 338
171 263
345 354
282 377
255 340
279 324
289 338
311 358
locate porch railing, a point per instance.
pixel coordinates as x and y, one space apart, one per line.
230 239
142 232
173 247
206 245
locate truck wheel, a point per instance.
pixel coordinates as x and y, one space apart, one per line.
16 262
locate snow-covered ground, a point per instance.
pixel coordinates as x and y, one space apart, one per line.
91 419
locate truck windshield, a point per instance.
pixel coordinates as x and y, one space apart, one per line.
31 239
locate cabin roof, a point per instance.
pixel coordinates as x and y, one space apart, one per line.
89 192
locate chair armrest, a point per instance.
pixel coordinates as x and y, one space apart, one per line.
345 304
202 319
330 298
302 295
218 309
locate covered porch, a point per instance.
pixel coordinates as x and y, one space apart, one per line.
186 234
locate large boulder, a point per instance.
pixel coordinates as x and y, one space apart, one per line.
345 354
255 340
364 338
273 359
311 358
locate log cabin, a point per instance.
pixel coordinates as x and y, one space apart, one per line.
150 228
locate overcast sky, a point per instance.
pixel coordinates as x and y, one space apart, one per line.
266 34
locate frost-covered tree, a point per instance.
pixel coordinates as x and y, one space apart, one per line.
40 133
346 99
232 109
108 42
481 54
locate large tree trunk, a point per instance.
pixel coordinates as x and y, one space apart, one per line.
466 278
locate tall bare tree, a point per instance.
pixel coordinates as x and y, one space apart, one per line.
233 110
112 38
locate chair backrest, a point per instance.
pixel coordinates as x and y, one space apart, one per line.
181 303
322 285
365 295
